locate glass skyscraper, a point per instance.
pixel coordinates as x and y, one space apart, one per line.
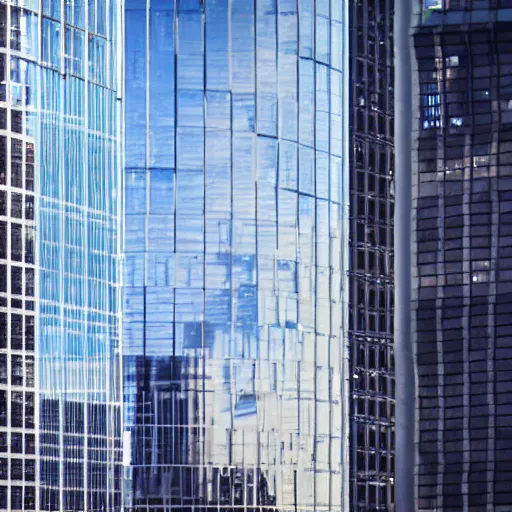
235 251
59 256
462 257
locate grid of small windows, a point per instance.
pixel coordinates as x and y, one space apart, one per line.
462 274
371 257
17 288
234 348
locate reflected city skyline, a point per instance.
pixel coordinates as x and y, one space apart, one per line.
235 248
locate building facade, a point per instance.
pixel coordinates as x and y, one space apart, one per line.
59 256
371 270
18 390
462 281
236 236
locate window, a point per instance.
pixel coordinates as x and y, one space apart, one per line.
3 408
97 59
30 496
29 371
50 34
3 369
17 370
17 121
29 333
3 157
17 409
29 207
16 205
433 4
17 174
15 29
4 469
75 12
30 443
30 470
452 62
431 106
29 282
3 239
17 497
74 51
16 280
29 176
3 279
29 410
16 442
17 470
16 331
3 26
16 242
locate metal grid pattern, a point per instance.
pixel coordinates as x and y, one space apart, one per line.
234 343
462 278
17 290
59 179
371 256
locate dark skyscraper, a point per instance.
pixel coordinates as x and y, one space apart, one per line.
462 255
371 256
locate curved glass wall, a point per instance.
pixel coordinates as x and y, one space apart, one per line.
58 99
78 276
235 248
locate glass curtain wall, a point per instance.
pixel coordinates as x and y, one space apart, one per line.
235 255
78 217
59 148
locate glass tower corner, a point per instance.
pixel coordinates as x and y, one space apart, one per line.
60 400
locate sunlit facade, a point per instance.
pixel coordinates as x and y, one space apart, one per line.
59 281
235 249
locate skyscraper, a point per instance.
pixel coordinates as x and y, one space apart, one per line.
236 235
59 279
462 283
371 256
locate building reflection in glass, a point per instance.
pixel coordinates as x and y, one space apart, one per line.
235 236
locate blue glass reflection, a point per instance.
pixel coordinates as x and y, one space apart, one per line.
234 246
78 221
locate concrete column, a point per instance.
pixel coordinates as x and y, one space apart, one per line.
404 362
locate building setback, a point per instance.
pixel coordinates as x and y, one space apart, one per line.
371 256
59 268
462 255
236 236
